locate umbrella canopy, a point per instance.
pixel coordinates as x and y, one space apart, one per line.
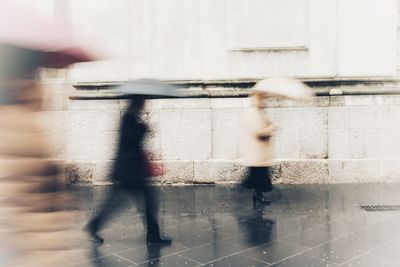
24 29
284 87
148 87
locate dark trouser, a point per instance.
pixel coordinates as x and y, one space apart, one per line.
112 204
259 179
262 179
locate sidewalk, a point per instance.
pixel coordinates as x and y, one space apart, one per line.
306 225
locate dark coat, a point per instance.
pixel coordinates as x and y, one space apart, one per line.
131 165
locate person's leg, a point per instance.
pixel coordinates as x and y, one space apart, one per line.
151 209
260 175
107 208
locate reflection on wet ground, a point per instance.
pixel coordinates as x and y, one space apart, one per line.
306 225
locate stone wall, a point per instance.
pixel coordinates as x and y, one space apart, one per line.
336 138
332 139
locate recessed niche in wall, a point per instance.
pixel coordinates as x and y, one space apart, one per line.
271 25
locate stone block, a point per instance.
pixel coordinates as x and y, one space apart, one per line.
304 172
373 148
95 105
106 121
310 118
382 143
364 100
186 103
153 104
169 145
387 117
360 118
80 121
281 117
287 143
313 143
170 120
247 102
225 133
357 143
178 172
217 171
287 139
225 103
389 100
313 138
353 171
360 100
276 173
101 172
320 101
339 143
336 118
79 172
337 101
84 145
194 144
194 137
196 119
389 144
389 171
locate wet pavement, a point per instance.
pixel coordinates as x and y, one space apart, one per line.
306 225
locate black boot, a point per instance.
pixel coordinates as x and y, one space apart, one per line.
158 239
93 236
259 197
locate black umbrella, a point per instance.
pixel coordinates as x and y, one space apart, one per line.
148 87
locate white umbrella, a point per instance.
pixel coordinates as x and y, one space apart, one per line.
284 87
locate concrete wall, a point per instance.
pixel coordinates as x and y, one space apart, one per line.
332 139
236 39
231 39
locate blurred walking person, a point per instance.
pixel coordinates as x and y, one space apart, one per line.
130 174
257 148
257 151
35 216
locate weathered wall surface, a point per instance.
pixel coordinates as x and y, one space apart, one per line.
231 39
332 139
236 39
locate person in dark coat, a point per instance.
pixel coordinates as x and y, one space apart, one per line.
130 175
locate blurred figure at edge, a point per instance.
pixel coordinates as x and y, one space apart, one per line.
35 225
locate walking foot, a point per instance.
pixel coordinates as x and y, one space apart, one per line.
158 239
261 199
93 236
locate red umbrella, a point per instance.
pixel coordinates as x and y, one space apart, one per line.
25 29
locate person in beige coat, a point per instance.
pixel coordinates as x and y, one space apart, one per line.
35 221
257 147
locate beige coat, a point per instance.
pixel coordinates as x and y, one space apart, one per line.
257 148
33 205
